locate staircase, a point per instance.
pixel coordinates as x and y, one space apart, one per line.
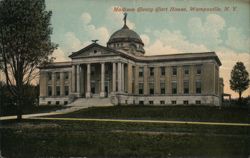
83 103
90 102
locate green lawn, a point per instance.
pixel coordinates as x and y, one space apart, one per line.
31 110
37 138
183 113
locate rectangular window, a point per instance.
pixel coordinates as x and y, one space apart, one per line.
151 71
197 102
162 85
174 87
174 71
57 76
141 71
66 90
65 102
185 102
57 102
198 87
49 102
186 87
186 70
151 102
49 76
49 91
162 102
141 102
198 69
57 90
66 75
141 88
163 71
173 101
151 88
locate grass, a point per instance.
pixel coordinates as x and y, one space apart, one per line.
182 113
32 110
37 138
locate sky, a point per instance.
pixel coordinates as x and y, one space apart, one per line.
166 27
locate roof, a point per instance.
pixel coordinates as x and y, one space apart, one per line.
155 58
125 35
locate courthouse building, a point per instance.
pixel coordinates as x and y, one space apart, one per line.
121 72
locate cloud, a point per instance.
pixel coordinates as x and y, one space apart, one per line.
72 43
169 42
145 39
237 40
59 55
92 32
207 32
86 18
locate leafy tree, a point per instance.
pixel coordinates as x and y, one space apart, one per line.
239 81
25 43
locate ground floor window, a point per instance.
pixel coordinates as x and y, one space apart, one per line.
162 102
65 102
57 102
49 91
141 88
49 102
57 90
174 87
141 102
173 101
185 102
197 102
66 90
151 102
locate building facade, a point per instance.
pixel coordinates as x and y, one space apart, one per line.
121 72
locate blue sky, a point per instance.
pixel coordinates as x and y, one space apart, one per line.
75 23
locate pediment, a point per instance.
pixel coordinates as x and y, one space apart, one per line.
93 50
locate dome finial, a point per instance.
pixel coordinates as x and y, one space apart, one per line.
125 18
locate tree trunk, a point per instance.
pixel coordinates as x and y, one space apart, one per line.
240 97
19 109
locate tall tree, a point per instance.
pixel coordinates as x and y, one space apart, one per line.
25 43
239 81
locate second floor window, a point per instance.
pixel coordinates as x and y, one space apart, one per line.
174 71
163 71
141 70
174 87
151 71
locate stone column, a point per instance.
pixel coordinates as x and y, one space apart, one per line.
78 78
168 79
145 81
102 93
157 80
192 79
53 84
88 93
136 85
179 80
122 78
119 77
43 84
73 84
114 77
62 83
130 75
